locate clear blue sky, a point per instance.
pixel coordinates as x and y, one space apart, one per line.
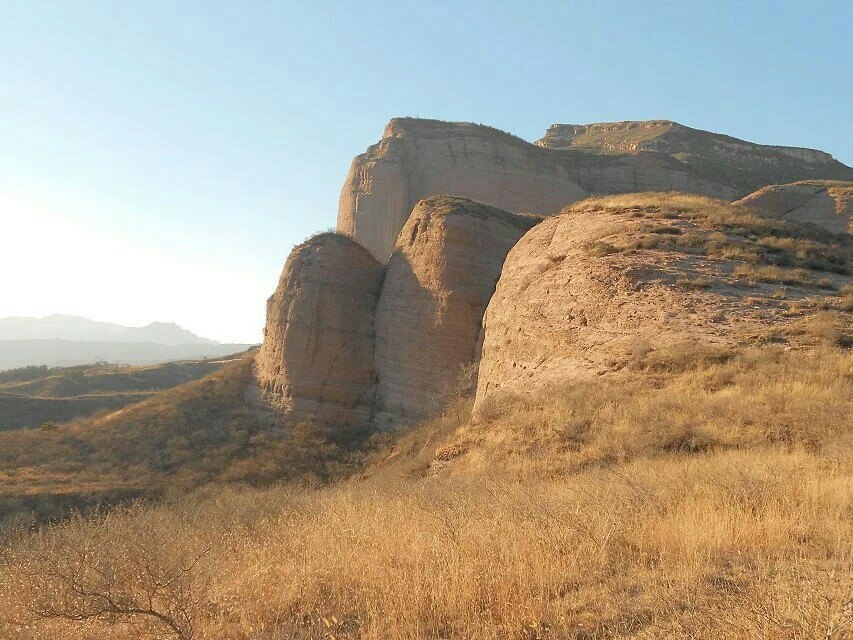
158 159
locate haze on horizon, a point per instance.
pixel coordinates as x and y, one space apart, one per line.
158 162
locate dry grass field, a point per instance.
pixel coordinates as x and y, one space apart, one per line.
706 495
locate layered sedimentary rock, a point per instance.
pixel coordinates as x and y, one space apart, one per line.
419 158
826 204
316 361
438 282
584 292
738 164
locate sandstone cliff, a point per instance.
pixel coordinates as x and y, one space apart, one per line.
420 158
437 285
316 361
587 292
826 204
741 165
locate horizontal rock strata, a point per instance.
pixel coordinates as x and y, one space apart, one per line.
740 165
417 158
420 158
826 204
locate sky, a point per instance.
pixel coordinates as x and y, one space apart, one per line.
158 160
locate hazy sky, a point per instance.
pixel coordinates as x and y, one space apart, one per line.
158 160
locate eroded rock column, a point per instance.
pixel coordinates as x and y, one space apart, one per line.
316 361
438 282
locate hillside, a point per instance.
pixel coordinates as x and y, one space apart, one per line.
626 420
209 431
694 498
32 396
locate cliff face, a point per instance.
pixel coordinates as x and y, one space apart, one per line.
316 361
741 165
416 159
420 158
437 285
349 343
826 204
586 292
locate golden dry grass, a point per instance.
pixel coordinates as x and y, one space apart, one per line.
735 545
209 431
737 233
707 495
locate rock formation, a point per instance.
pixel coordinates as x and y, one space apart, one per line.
740 165
349 342
419 158
316 362
826 204
438 282
585 291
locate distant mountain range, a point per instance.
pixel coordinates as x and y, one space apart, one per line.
62 340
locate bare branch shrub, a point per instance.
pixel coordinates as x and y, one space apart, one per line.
128 566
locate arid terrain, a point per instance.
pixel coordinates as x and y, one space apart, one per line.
35 396
596 387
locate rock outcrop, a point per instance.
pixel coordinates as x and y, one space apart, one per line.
584 292
416 159
316 362
740 165
438 282
826 204
419 158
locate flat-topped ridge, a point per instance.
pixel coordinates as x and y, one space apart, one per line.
656 135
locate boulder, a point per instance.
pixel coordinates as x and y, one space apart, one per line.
316 362
438 282
593 290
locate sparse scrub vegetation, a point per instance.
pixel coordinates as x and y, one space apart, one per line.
207 431
771 274
731 233
704 495
845 293
727 546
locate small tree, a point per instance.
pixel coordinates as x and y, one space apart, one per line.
116 569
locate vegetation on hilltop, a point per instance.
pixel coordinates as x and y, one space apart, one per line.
768 249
